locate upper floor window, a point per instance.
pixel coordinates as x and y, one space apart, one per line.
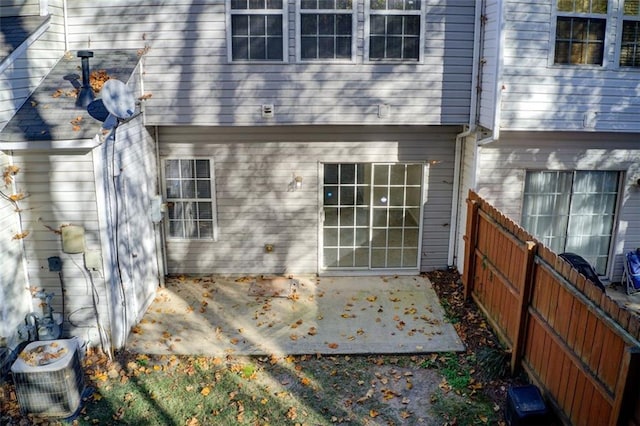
630 43
395 30
580 32
326 29
257 30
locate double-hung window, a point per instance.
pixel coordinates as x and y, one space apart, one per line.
395 30
326 29
190 196
580 31
573 211
630 41
257 30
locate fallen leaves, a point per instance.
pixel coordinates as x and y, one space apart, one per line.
97 79
20 235
75 123
8 173
292 413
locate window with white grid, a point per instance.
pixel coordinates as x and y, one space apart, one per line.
395 30
190 197
580 32
630 37
257 30
326 30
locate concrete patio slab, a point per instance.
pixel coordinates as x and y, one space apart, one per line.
217 316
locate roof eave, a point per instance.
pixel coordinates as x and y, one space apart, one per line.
52 145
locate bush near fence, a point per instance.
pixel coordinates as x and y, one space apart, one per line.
573 341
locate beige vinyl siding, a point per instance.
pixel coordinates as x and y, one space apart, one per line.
61 191
187 72
26 70
15 299
504 163
254 168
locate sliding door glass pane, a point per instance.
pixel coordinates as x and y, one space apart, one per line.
592 218
572 212
546 207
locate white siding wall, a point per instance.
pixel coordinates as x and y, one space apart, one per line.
61 191
489 62
127 181
467 181
15 299
254 167
187 72
28 69
538 95
503 166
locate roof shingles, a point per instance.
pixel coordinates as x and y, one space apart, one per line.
50 114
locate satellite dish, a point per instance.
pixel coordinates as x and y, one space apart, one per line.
97 110
118 99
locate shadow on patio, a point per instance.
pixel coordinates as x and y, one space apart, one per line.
217 315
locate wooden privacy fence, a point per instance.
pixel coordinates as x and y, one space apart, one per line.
574 342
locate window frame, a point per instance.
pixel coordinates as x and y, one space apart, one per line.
354 25
621 18
283 12
368 12
212 199
555 14
572 176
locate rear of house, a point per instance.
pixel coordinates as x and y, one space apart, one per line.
269 137
299 137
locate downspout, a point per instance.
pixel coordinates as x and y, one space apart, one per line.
66 25
23 247
455 199
474 112
161 244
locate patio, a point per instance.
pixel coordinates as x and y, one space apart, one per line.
218 316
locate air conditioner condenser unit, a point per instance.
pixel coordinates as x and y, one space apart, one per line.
49 378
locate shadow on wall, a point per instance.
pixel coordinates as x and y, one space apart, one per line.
14 286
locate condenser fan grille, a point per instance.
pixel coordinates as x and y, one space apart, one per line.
51 390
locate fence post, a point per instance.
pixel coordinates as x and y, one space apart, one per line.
471 239
626 392
524 299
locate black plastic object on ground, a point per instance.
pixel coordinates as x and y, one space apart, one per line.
584 267
525 406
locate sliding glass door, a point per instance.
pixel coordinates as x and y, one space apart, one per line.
371 216
573 212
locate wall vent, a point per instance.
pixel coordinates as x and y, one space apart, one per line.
267 111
